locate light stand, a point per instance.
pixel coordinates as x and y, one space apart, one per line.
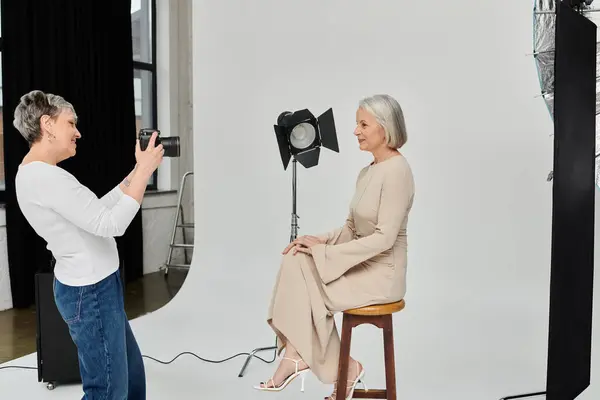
274 348
568 371
299 134
295 217
293 236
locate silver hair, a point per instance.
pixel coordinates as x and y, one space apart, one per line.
31 108
389 115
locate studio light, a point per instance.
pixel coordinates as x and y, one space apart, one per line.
301 135
544 31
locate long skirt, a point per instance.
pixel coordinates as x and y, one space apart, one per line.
302 307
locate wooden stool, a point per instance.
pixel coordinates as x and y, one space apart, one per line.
381 316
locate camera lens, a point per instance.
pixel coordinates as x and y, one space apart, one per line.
171 146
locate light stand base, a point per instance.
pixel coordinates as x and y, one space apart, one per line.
522 396
274 348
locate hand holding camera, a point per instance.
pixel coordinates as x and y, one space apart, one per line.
170 144
150 158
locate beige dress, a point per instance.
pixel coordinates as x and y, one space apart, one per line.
362 263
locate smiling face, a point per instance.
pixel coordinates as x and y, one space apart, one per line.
370 134
62 133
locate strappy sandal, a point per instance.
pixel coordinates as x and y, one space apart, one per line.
351 387
300 373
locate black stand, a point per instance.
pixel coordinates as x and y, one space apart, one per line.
573 207
56 353
293 236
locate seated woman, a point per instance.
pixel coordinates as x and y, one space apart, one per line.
362 263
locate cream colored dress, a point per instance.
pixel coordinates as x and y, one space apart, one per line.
362 263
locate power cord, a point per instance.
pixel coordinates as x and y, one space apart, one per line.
17 367
175 358
210 361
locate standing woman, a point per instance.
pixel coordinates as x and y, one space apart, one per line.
361 263
79 229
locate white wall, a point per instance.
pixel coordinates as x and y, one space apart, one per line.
475 325
174 119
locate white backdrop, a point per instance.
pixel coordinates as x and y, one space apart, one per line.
479 144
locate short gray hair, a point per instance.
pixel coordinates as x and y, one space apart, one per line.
31 108
389 115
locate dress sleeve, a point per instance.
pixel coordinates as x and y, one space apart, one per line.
81 206
333 260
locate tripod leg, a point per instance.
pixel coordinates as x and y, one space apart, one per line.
274 348
522 396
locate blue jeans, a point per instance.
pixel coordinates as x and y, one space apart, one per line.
110 362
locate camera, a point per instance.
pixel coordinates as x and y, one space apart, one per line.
170 144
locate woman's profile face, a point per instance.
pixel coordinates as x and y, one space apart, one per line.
63 134
370 135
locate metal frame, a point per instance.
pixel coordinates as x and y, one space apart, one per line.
179 222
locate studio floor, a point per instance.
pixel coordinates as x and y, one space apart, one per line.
460 349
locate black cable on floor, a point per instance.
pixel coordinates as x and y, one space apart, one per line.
209 361
18 367
175 358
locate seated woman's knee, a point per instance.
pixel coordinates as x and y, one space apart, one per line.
291 260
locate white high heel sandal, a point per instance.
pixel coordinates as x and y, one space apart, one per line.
301 374
357 381
353 386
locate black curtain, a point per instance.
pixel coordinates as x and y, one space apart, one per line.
81 50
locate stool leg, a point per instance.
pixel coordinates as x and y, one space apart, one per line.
390 364
342 378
